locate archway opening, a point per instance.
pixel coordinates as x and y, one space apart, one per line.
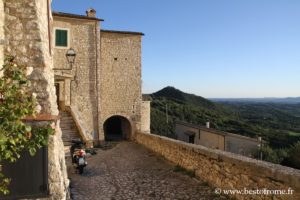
117 128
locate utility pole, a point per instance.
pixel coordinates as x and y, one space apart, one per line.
167 117
182 111
260 145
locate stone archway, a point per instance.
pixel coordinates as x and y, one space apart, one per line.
117 128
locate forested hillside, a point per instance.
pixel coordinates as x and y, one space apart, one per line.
278 124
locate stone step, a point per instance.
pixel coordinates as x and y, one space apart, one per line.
70 135
66 117
68 127
67 122
69 130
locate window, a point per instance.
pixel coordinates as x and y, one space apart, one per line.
192 139
61 38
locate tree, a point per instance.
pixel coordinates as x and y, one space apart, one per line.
16 103
293 159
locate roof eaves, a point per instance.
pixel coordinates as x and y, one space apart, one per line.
123 32
69 15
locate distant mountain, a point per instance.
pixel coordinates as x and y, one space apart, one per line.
288 100
172 93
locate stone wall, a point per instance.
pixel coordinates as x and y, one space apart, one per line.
242 145
80 123
26 28
26 37
1 33
202 137
145 116
84 39
225 170
120 78
217 139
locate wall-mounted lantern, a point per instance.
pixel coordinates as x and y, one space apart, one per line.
71 54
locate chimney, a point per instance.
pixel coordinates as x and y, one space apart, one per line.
91 12
207 125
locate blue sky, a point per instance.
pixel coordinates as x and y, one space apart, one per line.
212 48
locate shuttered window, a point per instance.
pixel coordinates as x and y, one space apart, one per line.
61 38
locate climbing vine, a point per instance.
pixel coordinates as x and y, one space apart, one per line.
17 102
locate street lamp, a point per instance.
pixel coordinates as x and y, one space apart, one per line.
71 54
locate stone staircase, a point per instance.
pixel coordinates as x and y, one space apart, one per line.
69 129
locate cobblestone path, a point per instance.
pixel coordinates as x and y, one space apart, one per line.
130 171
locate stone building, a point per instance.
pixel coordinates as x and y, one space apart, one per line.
98 96
216 139
101 90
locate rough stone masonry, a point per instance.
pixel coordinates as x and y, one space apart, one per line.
25 28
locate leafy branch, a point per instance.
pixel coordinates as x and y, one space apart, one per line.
17 102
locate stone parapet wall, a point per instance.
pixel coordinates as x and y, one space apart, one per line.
145 116
225 170
80 124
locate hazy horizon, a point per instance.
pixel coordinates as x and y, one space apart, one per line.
214 49
224 97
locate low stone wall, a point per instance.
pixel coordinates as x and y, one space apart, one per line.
145 116
226 170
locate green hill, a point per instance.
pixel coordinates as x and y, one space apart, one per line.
174 94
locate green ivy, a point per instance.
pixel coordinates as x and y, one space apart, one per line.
17 102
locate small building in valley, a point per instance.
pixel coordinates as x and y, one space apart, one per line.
216 139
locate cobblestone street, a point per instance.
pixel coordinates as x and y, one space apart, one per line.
129 171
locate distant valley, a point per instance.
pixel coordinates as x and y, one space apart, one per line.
288 100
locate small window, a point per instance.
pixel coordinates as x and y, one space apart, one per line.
192 139
61 38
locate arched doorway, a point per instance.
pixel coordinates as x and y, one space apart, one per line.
117 128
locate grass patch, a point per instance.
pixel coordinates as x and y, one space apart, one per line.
291 133
190 173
